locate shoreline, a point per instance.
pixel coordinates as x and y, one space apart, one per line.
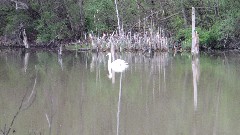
229 45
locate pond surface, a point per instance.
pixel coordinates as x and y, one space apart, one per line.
43 93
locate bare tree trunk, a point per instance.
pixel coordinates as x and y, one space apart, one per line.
139 16
119 26
195 39
193 27
184 14
68 16
216 3
81 13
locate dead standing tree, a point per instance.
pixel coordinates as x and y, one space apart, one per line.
195 38
22 34
118 19
195 59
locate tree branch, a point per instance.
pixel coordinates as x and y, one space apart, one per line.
20 5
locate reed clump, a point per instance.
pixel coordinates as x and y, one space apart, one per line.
127 41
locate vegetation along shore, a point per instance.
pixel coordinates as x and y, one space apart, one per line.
137 25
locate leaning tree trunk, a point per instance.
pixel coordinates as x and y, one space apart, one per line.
22 6
25 41
119 26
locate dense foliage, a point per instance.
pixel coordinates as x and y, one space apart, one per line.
51 20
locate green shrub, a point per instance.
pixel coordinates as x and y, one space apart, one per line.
187 34
205 36
97 17
14 19
49 29
176 23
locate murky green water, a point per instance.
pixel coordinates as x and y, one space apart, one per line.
41 93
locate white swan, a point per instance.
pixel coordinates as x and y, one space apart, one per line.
116 66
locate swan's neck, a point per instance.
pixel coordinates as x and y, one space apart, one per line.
109 59
109 62
109 66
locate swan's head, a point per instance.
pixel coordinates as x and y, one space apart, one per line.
109 54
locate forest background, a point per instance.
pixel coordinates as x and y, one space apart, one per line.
45 21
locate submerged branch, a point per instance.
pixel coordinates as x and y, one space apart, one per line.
15 116
32 96
20 108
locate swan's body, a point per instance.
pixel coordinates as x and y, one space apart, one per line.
117 65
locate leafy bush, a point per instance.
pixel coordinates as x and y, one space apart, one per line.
187 34
177 23
99 15
14 19
205 36
49 29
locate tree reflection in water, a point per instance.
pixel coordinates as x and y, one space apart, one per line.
196 74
